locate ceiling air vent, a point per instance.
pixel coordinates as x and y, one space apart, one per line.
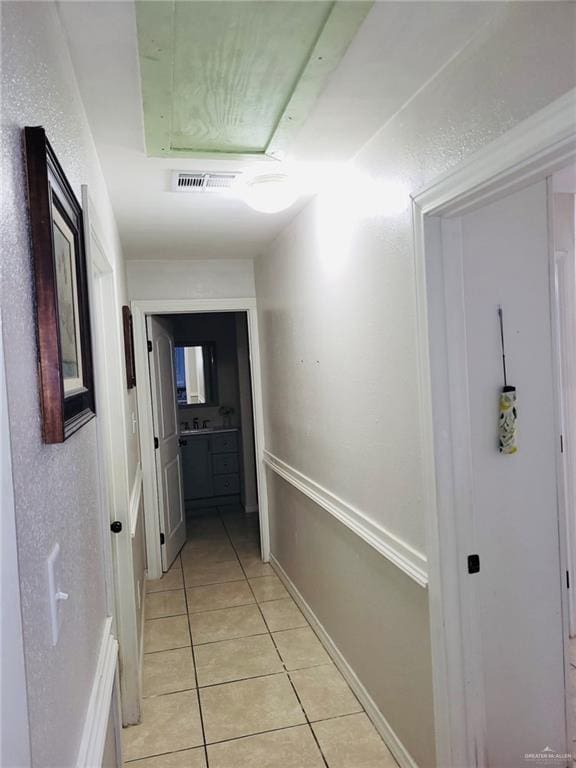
202 181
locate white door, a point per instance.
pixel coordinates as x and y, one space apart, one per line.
168 460
109 387
504 250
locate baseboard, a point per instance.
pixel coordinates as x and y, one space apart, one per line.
141 649
403 757
98 714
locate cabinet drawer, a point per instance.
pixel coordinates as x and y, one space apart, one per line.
225 485
225 443
224 463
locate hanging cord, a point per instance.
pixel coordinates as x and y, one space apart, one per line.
501 320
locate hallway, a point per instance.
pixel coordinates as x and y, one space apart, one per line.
233 675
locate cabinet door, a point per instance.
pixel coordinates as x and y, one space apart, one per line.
197 467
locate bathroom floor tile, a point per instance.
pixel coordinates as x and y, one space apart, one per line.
168 671
248 707
187 758
289 748
170 580
169 723
165 634
226 624
268 588
300 648
352 741
324 693
160 604
236 660
282 614
216 596
200 574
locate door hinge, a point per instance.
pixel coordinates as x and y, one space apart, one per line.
156 443
149 346
567 579
561 443
473 563
162 539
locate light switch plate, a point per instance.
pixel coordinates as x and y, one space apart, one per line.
55 594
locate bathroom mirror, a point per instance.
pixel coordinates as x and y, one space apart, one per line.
195 368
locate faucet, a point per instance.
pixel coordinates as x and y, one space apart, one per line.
205 423
195 423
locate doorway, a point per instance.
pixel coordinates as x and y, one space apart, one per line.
203 422
563 218
497 539
218 422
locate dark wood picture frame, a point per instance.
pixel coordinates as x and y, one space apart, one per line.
67 402
129 347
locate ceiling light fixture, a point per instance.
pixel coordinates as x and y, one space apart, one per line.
269 192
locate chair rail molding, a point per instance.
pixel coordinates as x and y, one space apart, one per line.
98 713
399 552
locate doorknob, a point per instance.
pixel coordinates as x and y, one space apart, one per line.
182 442
116 526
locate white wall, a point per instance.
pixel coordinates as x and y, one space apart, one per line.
336 294
194 279
55 486
14 730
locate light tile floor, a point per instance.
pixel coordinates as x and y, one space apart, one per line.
233 675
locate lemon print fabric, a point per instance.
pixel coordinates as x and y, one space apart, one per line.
508 421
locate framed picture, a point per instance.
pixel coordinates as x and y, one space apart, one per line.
129 347
62 313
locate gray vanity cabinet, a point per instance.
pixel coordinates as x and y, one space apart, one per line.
197 467
211 467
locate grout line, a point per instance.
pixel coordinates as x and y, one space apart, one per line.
284 665
229 639
200 713
258 733
211 610
162 754
192 646
165 650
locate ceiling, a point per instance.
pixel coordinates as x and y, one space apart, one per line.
231 78
394 53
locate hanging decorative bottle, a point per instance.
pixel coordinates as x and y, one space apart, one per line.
508 413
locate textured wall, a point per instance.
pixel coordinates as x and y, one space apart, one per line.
194 279
336 294
55 485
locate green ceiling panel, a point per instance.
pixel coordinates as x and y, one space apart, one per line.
229 78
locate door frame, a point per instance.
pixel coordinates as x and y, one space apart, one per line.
529 152
105 322
141 308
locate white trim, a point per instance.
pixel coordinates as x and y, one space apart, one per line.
135 498
405 557
403 757
532 150
112 447
141 308
524 155
98 714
